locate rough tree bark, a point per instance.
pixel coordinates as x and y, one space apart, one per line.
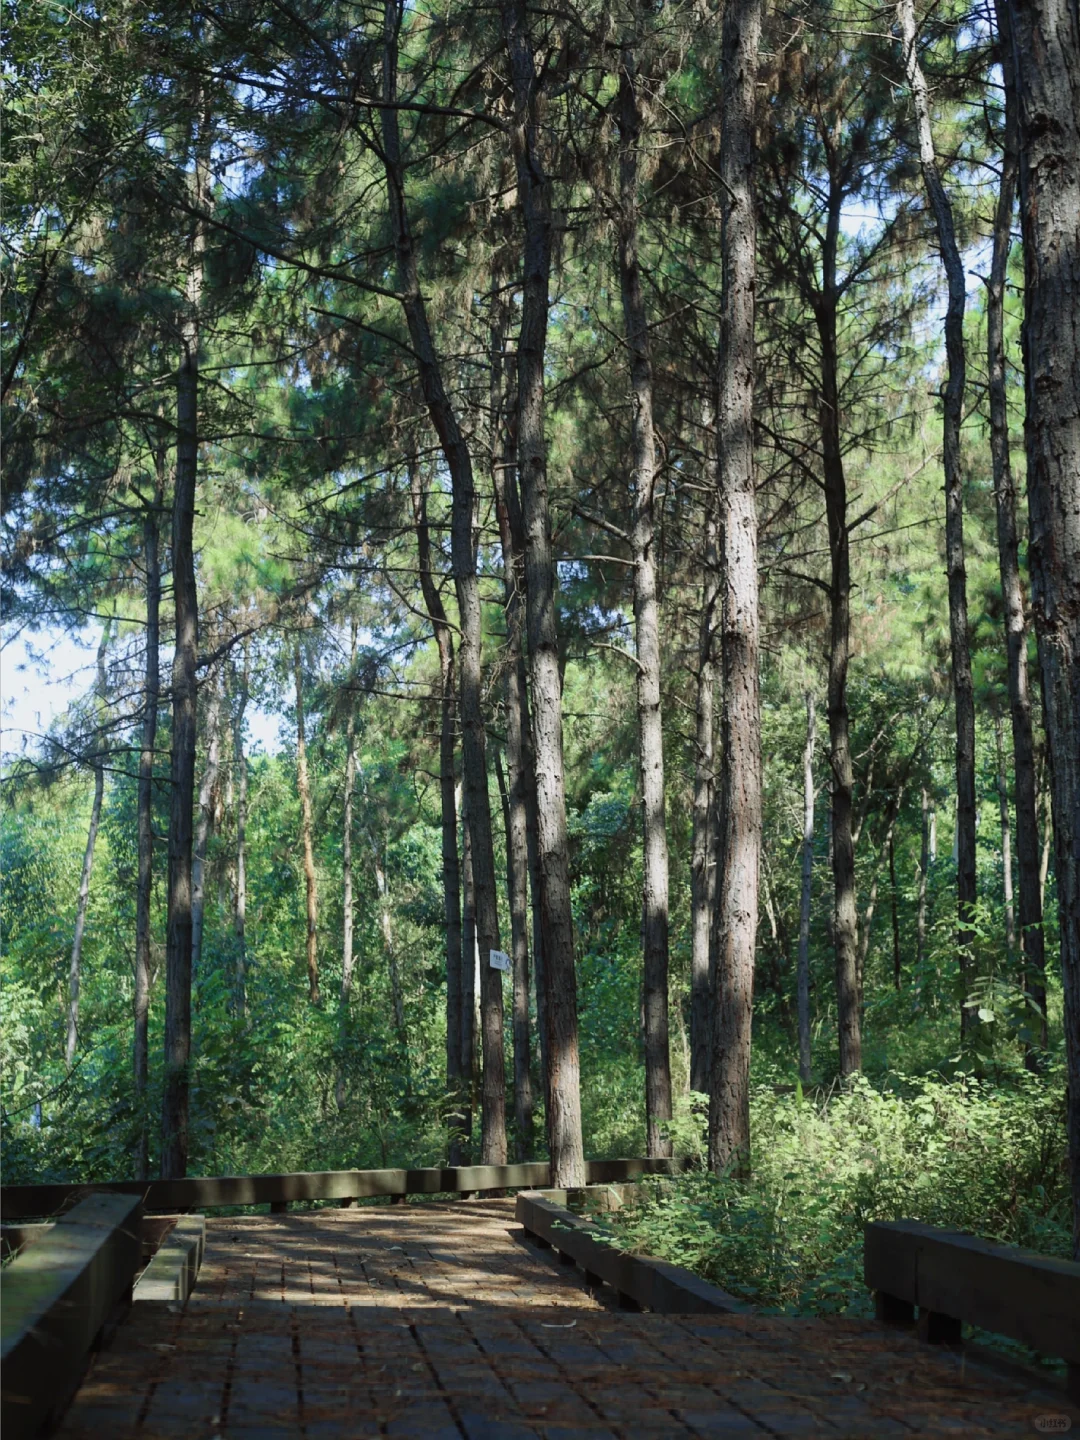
1032 942
803 975
468 975
176 1097
303 784
703 843
205 823
83 900
464 556
560 978
654 913
451 870
145 822
737 884
508 508
1046 39
963 686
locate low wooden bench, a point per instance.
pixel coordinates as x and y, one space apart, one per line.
641 1282
952 1278
58 1295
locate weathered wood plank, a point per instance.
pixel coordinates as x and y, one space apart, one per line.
172 1272
56 1298
21 1202
16 1238
1029 1297
651 1284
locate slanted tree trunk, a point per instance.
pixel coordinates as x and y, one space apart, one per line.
451 871
240 763
737 885
1046 37
310 882
145 823
176 1097
803 979
963 687
654 918
205 822
560 978
464 556
703 844
508 508
1031 938
83 900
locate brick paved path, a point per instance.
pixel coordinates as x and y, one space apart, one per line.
440 1321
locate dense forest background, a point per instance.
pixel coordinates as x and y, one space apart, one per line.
371 369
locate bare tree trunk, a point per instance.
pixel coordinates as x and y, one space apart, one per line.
654 919
451 872
560 978
1046 37
703 845
894 904
145 823
805 1070
176 1098
468 976
737 886
1006 843
515 800
386 925
924 875
348 955
464 557
205 822
1032 941
963 687
845 921
310 882
83 900
871 904
240 907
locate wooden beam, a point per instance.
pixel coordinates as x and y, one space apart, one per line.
646 1283
57 1296
172 1272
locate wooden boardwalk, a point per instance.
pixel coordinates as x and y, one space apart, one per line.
439 1320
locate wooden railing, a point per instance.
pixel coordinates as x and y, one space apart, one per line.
954 1278
21 1202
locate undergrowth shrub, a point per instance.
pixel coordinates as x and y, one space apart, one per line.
962 1153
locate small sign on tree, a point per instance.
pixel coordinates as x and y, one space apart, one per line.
498 960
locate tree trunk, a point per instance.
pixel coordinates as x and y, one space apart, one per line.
464 557
1046 37
348 956
205 822
176 1097
145 823
310 882
1032 942
451 873
894 903
240 908
924 875
386 925
703 844
737 886
468 977
654 917
560 978
83 900
803 983
508 509
963 687
1006 844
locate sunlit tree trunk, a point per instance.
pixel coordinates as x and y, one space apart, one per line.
205 823
83 900
1032 943
737 883
1046 37
806 894
311 888
654 919
963 686
560 978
